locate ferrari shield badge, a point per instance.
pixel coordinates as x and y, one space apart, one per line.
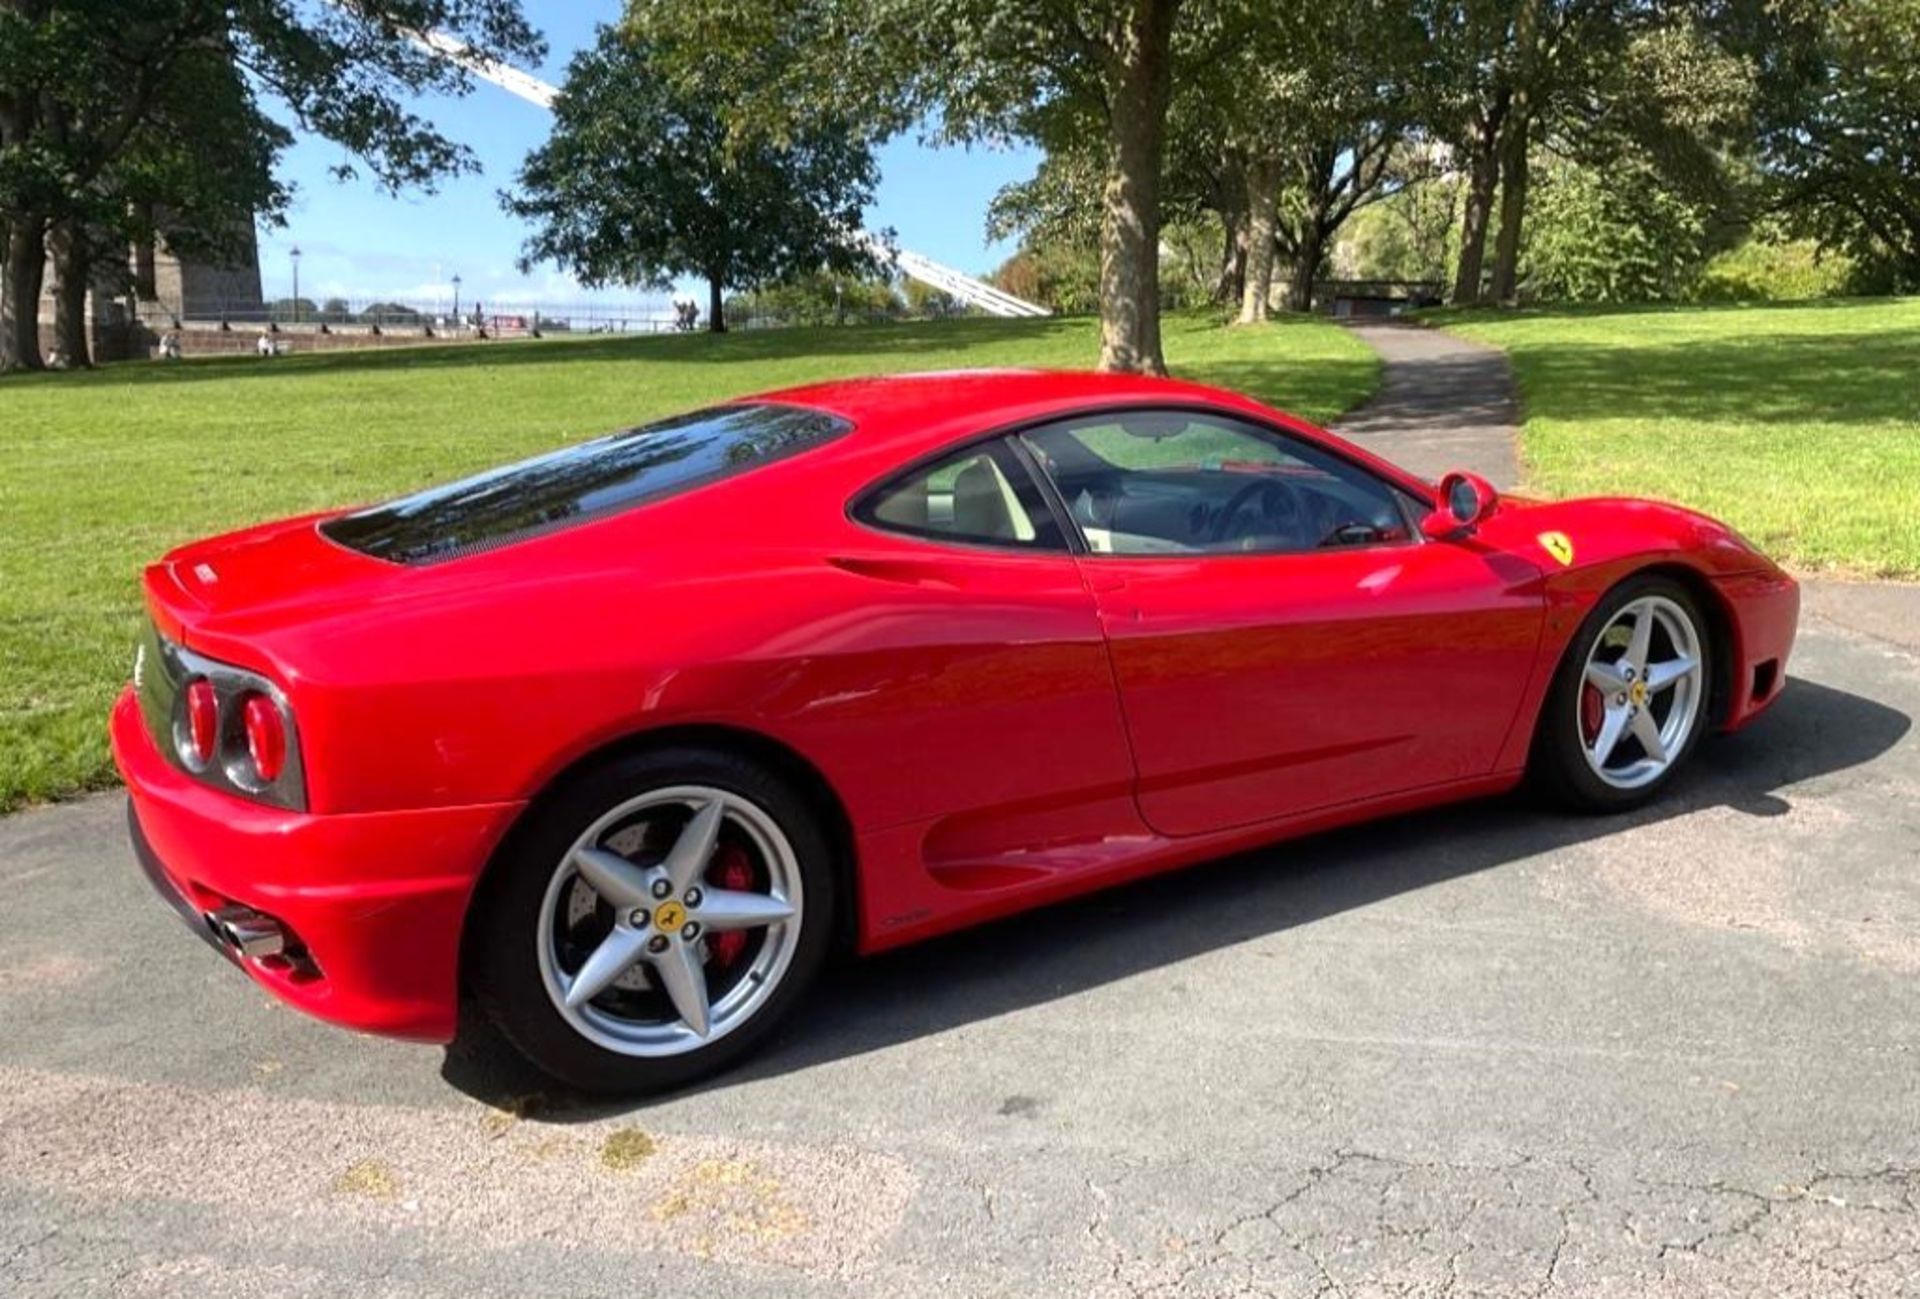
1559 545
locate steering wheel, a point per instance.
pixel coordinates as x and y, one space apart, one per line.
1277 500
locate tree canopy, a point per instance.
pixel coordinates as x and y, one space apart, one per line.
1595 148
119 117
1045 71
645 179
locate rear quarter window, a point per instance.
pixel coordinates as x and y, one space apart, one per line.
578 483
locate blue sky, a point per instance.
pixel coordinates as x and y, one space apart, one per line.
358 243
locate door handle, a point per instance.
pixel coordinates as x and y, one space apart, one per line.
907 572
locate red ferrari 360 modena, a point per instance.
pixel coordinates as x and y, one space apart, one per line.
625 739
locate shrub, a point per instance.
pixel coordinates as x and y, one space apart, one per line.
1766 270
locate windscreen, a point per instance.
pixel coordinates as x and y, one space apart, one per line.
596 478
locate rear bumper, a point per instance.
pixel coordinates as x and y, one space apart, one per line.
375 900
1765 615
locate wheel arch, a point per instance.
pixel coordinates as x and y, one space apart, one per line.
805 777
1720 629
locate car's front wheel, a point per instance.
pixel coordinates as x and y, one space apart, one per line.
654 920
1630 699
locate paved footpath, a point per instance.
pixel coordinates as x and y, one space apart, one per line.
1444 403
1486 1051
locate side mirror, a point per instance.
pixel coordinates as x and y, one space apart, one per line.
1465 499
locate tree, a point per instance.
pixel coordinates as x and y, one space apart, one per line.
87 85
1591 82
1471 40
1314 99
819 298
1507 61
195 174
1406 236
925 300
1058 74
1061 276
288 311
643 181
1618 235
1838 116
377 313
1057 213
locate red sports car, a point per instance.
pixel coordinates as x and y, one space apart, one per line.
627 738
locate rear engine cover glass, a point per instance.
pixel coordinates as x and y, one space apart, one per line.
583 482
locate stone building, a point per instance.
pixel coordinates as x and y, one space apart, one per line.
159 290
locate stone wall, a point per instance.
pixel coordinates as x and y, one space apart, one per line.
198 339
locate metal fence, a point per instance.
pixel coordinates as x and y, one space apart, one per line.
469 318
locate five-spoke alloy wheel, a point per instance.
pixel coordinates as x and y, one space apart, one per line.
1631 698
654 919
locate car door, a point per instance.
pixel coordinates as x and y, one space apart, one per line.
996 711
1282 637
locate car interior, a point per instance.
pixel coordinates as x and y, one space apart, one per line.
1155 483
1174 482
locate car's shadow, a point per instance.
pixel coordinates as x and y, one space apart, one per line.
872 1004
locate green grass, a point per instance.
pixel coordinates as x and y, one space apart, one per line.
102 472
1799 425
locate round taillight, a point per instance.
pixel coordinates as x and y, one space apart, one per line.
266 737
203 723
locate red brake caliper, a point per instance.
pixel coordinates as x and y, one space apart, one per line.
1593 709
730 870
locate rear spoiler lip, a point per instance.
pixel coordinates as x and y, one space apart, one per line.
170 603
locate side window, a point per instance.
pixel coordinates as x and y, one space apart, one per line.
1186 482
983 496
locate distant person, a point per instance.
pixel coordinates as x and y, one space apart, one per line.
263 345
170 345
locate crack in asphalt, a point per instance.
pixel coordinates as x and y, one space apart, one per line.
1674 1236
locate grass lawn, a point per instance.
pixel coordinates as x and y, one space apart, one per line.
102 472
1799 425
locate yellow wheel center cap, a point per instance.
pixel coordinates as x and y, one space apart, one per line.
1638 693
668 917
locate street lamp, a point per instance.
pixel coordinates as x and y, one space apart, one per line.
294 256
456 301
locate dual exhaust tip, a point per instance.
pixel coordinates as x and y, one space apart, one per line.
247 933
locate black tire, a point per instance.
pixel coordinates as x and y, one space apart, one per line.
1558 764
503 956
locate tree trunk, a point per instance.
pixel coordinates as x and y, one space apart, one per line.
716 305
146 276
1139 81
72 269
1483 174
21 275
1231 279
1513 205
1262 194
1306 265
1514 141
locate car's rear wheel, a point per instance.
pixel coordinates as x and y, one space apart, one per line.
654 920
1629 701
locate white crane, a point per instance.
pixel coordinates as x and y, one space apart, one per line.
974 292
